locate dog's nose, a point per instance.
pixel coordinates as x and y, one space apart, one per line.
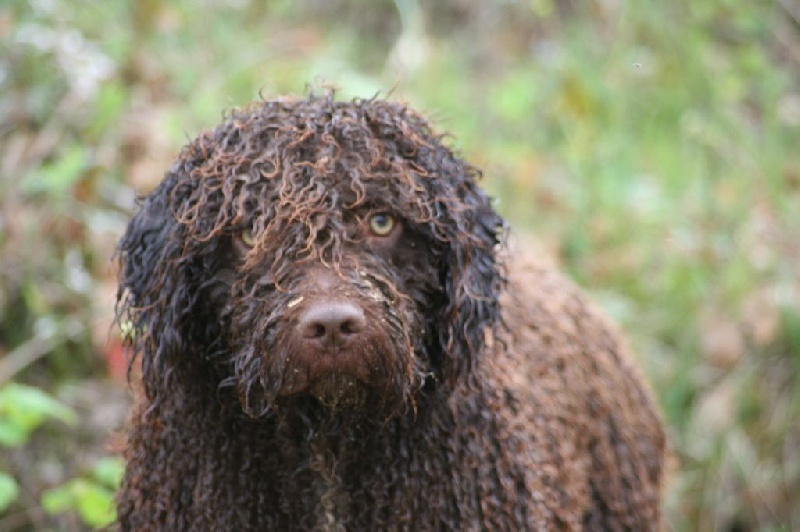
332 323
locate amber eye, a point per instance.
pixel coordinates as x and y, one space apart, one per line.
247 238
381 224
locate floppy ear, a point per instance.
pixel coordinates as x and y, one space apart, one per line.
156 295
473 280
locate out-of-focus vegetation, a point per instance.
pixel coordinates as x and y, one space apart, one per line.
652 147
23 409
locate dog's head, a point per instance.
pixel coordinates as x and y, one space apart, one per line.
337 250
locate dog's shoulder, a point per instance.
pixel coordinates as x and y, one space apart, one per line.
554 336
542 305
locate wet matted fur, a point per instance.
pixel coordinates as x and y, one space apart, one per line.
331 338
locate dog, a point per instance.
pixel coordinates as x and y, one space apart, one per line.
333 336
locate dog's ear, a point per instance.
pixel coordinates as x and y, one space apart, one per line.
472 278
153 298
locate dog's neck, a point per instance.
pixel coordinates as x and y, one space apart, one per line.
331 497
329 445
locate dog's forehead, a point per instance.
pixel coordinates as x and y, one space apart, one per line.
337 183
278 163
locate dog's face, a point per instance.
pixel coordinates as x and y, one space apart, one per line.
335 308
313 249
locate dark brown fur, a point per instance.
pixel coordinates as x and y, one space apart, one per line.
447 397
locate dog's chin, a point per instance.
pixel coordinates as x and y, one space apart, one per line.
338 391
336 377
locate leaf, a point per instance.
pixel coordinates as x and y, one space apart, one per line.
29 406
57 177
108 471
12 434
109 104
59 499
96 504
8 491
23 409
93 502
514 98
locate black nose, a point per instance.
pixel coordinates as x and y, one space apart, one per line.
332 323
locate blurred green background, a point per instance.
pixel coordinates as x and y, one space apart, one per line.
650 147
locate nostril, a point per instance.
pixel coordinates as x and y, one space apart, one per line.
315 330
351 326
331 323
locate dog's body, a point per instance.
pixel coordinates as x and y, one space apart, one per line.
329 341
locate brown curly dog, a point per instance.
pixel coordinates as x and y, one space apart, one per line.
329 340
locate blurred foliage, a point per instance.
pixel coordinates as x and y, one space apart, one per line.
650 147
8 490
92 496
23 409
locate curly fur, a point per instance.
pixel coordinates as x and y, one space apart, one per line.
465 397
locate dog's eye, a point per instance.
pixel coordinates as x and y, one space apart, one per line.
247 238
381 224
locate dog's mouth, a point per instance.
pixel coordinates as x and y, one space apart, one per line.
338 390
335 376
